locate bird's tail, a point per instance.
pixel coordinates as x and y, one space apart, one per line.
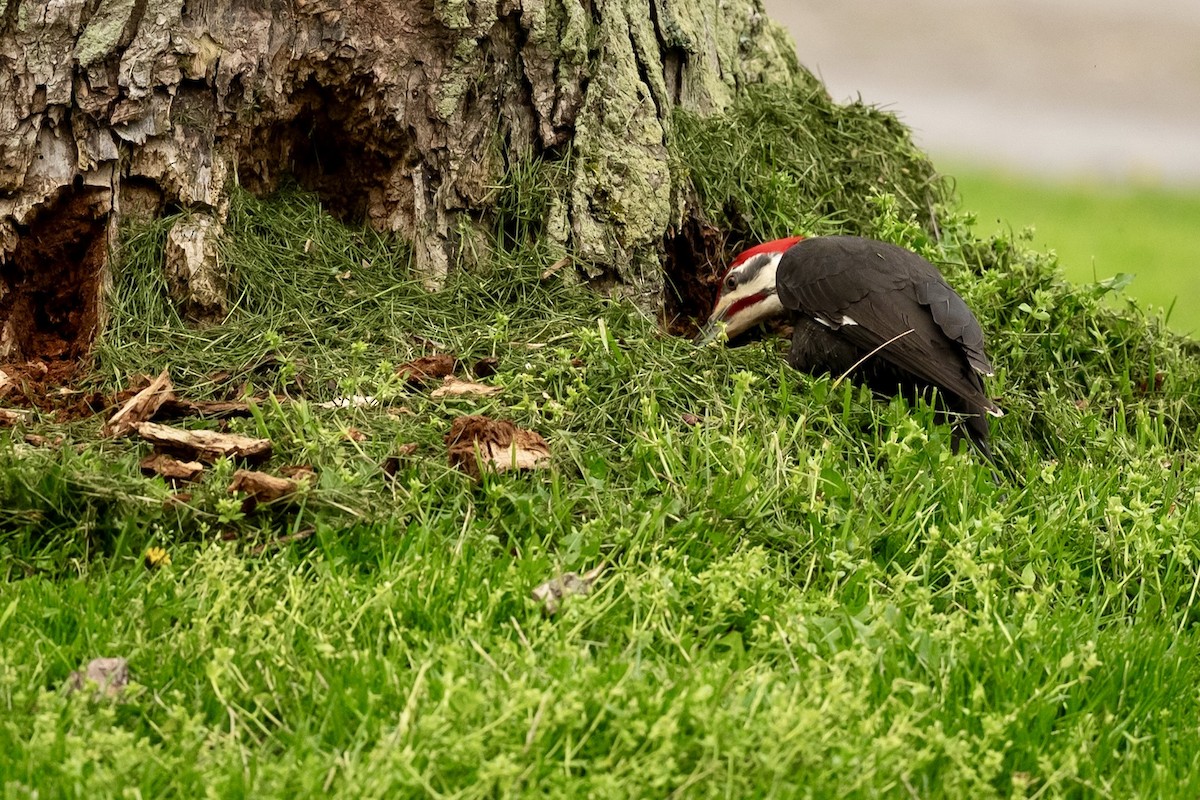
977 431
973 427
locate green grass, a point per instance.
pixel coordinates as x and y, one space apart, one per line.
1100 230
804 594
788 160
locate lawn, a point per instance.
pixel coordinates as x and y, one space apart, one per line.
802 592
795 589
1099 230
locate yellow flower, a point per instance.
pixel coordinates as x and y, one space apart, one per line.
157 557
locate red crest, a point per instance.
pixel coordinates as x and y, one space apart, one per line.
775 246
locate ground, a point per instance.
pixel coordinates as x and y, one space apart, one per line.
783 587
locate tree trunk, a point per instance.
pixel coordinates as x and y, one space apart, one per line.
405 115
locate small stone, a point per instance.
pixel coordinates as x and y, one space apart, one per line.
109 674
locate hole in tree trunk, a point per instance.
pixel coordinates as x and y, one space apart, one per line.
693 262
50 287
333 146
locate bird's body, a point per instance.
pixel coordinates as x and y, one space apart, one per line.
872 310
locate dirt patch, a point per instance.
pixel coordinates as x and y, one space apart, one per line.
47 386
50 288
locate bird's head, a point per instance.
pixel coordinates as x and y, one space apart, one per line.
747 294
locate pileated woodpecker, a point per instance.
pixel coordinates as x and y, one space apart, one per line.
875 311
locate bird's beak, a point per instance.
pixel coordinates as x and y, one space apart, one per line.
713 329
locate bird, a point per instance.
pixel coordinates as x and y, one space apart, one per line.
870 310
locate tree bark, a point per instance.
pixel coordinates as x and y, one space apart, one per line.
405 115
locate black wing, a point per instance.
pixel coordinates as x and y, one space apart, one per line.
878 295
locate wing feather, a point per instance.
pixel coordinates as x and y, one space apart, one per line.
888 292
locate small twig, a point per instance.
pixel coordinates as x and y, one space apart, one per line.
555 267
298 536
859 363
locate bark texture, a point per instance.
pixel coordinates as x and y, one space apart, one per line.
403 114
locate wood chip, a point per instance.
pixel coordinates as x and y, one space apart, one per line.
262 487
259 487
171 468
300 472
551 593
453 387
35 440
140 408
206 446
555 267
9 418
175 407
496 443
426 368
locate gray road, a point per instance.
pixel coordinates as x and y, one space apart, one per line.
1108 88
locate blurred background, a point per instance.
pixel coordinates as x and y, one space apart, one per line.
1080 118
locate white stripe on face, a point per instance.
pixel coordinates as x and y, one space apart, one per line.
754 278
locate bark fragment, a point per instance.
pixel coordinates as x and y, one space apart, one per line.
171 469
194 273
202 445
259 487
453 387
478 442
140 408
207 409
420 370
551 593
109 675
